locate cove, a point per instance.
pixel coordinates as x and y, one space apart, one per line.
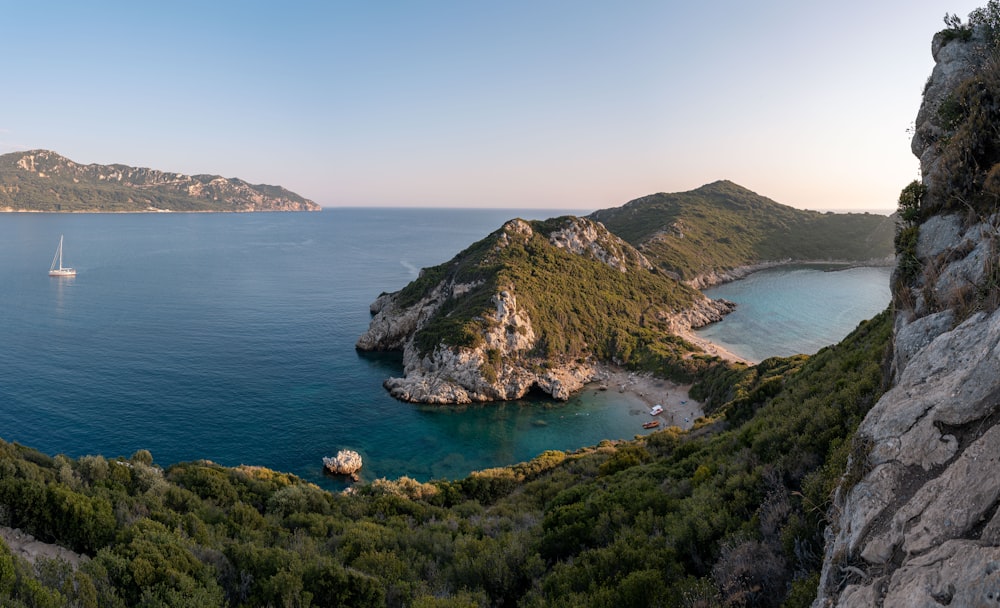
796 309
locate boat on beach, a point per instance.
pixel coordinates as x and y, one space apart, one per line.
657 409
652 424
57 269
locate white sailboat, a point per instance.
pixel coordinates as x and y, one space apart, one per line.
57 269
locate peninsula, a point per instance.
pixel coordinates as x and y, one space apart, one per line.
544 305
42 180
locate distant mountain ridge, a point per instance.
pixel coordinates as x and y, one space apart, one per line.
42 180
704 235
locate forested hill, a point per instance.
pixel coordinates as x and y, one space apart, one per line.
42 180
722 226
533 306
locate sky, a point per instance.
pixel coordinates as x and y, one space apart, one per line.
571 104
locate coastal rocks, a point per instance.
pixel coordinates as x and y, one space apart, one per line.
711 279
702 312
489 352
346 462
496 370
27 547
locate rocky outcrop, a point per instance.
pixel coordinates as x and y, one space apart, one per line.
502 365
92 188
955 61
584 237
916 520
703 312
346 462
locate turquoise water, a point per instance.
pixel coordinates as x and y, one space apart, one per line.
791 310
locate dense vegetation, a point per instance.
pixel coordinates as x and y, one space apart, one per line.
58 184
579 306
721 226
730 514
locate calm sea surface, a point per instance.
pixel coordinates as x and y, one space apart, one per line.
801 309
230 337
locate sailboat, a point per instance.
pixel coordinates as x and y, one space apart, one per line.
57 269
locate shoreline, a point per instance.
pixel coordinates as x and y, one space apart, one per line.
714 349
711 280
716 278
679 409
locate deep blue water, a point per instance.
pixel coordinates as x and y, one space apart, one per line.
230 337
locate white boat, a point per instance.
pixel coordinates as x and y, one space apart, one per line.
657 409
57 269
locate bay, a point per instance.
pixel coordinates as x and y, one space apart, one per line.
800 309
230 337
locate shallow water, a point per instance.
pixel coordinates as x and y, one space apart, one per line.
800 309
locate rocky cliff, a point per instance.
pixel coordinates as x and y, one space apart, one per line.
915 521
42 180
534 306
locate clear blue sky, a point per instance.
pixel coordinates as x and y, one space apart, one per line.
575 104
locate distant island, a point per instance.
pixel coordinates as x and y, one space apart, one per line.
44 181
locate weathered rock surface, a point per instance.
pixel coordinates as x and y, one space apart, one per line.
920 524
955 61
346 462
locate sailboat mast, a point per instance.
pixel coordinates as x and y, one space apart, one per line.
60 251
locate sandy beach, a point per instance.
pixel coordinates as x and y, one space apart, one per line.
678 407
713 349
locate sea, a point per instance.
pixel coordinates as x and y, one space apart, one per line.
796 309
230 338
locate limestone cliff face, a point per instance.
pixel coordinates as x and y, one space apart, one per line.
502 365
915 522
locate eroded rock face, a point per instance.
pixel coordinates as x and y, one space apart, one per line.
346 462
918 525
955 61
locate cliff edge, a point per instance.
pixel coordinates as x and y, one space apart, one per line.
915 520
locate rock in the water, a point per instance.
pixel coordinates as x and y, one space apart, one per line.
346 462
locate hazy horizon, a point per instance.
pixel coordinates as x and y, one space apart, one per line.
576 105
